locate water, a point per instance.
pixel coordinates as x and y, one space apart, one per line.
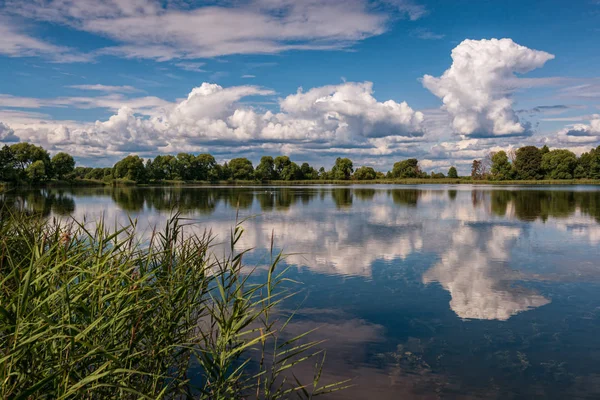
422 292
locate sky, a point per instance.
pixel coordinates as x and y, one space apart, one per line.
377 81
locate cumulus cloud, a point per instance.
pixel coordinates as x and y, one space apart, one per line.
7 134
350 110
345 115
168 30
476 90
581 133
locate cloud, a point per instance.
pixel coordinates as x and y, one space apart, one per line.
350 110
589 90
7 135
549 110
147 105
191 66
581 133
15 43
409 8
248 76
345 117
106 88
150 29
476 90
426 34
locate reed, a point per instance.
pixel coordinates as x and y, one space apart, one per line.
99 313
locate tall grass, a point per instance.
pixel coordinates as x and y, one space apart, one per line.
96 313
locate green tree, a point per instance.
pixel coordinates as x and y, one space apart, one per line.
544 150
528 163
224 171
594 168
365 174
342 169
62 164
291 172
26 154
323 174
36 171
588 165
205 167
132 168
406 169
186 164
452 173
280 163
163 168
559 164
308 172
501 168
7 165
241 169
265 171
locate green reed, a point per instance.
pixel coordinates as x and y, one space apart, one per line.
99 313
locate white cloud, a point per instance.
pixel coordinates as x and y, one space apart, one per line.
349 110
581 133
588 90
15 43
106 88
149 29
191 66
476 89
427 34
7 134
411 9
345 116
147 105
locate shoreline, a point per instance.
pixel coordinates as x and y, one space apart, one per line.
401 182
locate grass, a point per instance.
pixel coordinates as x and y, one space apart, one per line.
97 313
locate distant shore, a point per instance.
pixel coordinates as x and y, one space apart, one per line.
416 181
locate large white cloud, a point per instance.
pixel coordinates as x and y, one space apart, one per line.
339 115
476 89
351 110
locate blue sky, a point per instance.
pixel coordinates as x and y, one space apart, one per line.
102 79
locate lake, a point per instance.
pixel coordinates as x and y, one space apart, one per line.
421 292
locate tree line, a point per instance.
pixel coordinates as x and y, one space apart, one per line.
28 163
532 163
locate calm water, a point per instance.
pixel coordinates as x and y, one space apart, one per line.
422 292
